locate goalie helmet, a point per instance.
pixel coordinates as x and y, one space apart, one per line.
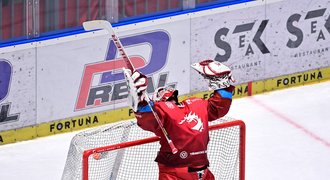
165 94
218 74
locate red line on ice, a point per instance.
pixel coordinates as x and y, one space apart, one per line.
292 122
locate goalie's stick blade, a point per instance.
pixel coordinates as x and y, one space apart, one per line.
98 24
106 25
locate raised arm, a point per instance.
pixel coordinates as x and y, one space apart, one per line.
137 84
220 80
219 104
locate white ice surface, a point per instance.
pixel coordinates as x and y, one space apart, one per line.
288 138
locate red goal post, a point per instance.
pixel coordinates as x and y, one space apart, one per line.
124 158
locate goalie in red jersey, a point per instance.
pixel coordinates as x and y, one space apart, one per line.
186 122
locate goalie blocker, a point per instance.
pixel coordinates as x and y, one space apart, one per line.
136 85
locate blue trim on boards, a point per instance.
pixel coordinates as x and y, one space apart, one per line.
79 30
43 38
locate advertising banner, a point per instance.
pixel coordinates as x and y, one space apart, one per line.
17 88
264 41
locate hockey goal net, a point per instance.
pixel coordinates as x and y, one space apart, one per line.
128 152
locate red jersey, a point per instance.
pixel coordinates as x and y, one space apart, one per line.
187 125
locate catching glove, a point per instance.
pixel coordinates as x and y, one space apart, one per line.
218 74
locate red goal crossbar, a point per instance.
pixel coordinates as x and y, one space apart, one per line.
239 123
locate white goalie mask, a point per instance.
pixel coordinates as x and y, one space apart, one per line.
165 94
218 74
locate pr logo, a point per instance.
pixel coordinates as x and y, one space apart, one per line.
103 82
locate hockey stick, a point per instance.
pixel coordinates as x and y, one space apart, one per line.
103 24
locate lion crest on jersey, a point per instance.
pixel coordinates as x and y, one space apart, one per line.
193 120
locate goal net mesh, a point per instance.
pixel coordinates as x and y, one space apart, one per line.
225 153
